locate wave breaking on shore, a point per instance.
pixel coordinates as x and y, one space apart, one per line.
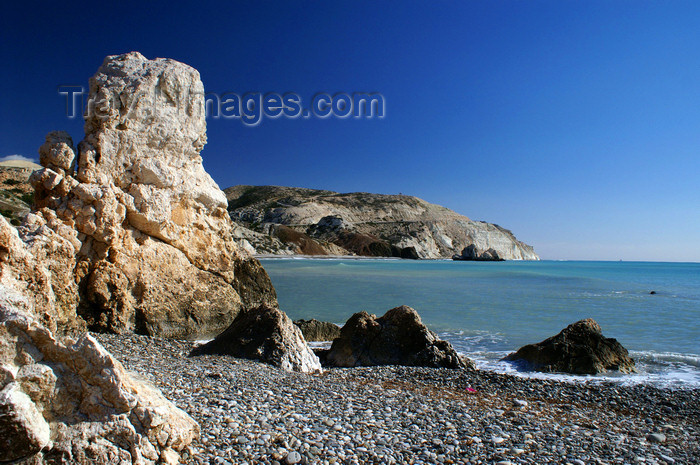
666 370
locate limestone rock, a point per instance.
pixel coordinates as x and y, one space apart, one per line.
24 430
365 224
397 338
38 260
58 153
266 334
318 331
63 402
580 348
155 252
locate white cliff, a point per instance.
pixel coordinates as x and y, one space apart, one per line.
366 224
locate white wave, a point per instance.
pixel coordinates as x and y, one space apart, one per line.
686 377
320 345
666 357
662 369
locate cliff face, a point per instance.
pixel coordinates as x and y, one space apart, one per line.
284 220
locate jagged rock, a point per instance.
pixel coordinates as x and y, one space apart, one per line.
155 251
315 331
397 338
58 153
36 259
490 255
266 334
580 348
366 224
74 403
24 430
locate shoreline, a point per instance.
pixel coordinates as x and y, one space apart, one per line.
497 366
467 305
340 257
367 257
252 412
364 257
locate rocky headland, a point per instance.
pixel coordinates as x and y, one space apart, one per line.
290 221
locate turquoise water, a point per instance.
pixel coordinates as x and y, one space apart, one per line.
489 309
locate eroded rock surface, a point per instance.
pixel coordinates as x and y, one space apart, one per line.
154 251
397 338
266 334
72 402
38 261
128 233
580 348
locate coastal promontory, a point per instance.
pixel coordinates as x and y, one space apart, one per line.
295 221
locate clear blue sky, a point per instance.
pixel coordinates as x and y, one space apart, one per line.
575 124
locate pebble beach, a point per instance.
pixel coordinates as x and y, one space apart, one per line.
251 413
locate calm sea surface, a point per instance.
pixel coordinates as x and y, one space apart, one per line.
487 310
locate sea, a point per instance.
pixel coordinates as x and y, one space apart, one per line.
489 309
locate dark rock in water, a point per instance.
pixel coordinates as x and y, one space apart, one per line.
397 338
317 331
472 253
580 349
409 252
252 282
266 334
490 255
652 292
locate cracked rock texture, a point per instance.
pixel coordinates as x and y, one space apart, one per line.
154 251
72 402
128 233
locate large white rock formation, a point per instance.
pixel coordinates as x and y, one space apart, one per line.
155 252
69 401
129 233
